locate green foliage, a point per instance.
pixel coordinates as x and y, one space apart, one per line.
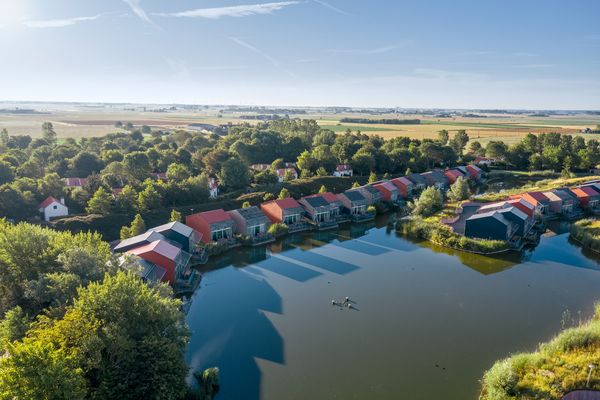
14 326
429 202
208 381
283 194
268 196
278 229
234 174
372 177
355 185
371 209
587 232
149 198
323 189
137 227
246 204
100 203
459 190
175 216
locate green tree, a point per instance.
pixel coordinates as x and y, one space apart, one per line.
278 163
149 198
373 177
355 185
7 173
175 216
323 189
443 136
429 202
48 132
14 326
137 227
177 172
234 174
460 141
284 194
246 204
127 200
86 163
100 203
306 162
268 196
459 190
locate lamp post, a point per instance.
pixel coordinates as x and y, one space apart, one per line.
591 367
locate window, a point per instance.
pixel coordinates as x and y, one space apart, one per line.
54 207
290 219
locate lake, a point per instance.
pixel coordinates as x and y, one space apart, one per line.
425 324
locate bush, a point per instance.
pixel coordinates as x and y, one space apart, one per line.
371 209
430 201
278 229
500 381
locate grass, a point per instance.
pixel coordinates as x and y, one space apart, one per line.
556 368
587 232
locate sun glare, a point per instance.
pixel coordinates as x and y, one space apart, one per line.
12 11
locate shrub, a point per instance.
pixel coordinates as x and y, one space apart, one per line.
278 229
371 209
500 381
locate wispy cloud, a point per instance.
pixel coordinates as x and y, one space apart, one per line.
261 53
534 66
137 9
441 74
525 54
331 7
477 53
58 23
377 50
232 11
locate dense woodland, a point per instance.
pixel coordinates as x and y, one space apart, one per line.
32 169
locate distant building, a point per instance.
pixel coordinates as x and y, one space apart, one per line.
213 188
52 208
372 195
437 179
260 167
73 183
250 221
284 173
343 170
214 225
480 160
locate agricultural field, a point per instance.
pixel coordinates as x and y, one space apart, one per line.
88 120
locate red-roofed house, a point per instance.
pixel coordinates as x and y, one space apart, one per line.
171 258
284 174
453 174
214 225
389 191
404 185
51 208
343 170
285 211
588 197
474 172
538 200
72 183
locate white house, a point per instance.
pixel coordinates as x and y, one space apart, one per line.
53 208
285 173
213 188
343 170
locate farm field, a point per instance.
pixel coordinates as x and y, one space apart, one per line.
88 120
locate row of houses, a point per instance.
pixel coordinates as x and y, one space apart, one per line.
512 220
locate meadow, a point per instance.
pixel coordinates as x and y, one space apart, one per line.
87 120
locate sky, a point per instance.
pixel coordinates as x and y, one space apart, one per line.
510 54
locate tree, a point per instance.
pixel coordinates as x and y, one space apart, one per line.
234 174
429 202
355 185
268 196
372 177
459 190
475 148
177 172
306 162
146 129
175 216
14 326
284 194
51 185
118 124
496 149
363 162
459 141
323 189
7 173
48 132
246 204
137 165
278 163
127 200
322 172
137 227
100 203
443 136
149 198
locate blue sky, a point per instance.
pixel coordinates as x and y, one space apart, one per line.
451 54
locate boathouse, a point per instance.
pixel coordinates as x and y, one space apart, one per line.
492 225
284 211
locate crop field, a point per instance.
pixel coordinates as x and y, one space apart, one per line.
87 120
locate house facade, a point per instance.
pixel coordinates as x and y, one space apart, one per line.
372 195
285 211
343 170
437 179
354 204
52 208
418 181
389 191
320 211
539 201
588 197
214 225
491 226
250 221
167 256
213 188
404 185
188 238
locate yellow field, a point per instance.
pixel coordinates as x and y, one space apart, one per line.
87 121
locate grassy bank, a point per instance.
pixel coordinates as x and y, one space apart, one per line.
110 225
556 368
442 235
587 232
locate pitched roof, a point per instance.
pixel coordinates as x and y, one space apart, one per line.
251 212
389 186
286 203
316 201
175 226
354 195
161 247
473 167
343 167
522 201
213 216
416 178
538 196
585 191
78 182
402 180
148 236
552 196
370 189
492 214
515 211
330 197
49 200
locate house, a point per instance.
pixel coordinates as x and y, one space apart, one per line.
539 201
286 173
51 208
480 160
181 234
355 204
519 203
555 201
569 205
523 223
418 181
343 170
475 173
389 191
491 225
73 183
319 211
285 211
372 195
214 225
213 188
453 174
138 241
437 179
588 197
260 167
167 256
405 186
251 221
149 272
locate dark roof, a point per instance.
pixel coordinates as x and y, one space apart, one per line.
251 213
417 178
370 189
354 195
316 201
144 238
175 226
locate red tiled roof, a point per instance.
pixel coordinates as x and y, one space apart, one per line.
284 203
473 169
48 201
213 216
585 191
343 167
76 182
538 196
402 180
389 186
454 172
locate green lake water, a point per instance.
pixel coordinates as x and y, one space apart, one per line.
426 323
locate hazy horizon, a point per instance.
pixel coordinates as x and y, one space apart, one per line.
311 53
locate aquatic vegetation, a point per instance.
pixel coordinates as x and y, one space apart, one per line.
569 361
587 232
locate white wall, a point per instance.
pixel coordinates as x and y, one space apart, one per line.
55 210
